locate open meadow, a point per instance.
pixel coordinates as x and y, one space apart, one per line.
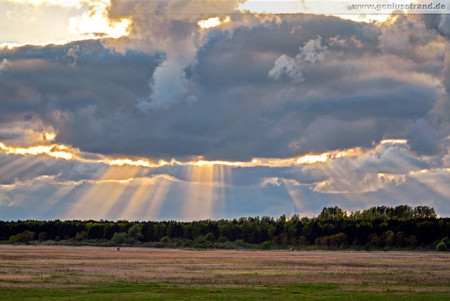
96 273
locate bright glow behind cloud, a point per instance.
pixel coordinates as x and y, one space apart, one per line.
60 151
55 151
137 189
212 22
44 22
295 132
95 21
311 159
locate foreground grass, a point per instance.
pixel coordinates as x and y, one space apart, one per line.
92 273
198 291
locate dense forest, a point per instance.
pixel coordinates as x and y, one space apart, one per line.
382 227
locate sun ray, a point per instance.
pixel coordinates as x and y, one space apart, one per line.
60 151
294 194
109 194
57 196
133 209
436 180
15 167
198 201
161 189
103 193
206 190
222 178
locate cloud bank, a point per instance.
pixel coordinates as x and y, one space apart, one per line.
288 113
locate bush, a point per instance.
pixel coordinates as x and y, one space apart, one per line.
122 239
210 237
200 239
302 241
367 247
25 236
446 240
42 236
81 235
165 239
239 242
132 237
267 245
222 239
336 240
135 232
441 247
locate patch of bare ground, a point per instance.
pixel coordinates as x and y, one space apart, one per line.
58 266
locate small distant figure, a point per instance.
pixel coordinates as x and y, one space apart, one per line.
118 249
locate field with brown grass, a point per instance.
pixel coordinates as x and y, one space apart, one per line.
83 273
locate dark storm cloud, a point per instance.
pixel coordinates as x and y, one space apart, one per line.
258 86
371 83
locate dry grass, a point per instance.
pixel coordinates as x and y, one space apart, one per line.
58 266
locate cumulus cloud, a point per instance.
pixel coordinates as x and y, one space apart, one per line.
287 65
73 53
177 35
388 168
225 73
313 51
168 84
385 166
410 38
4 65
170 90
365 96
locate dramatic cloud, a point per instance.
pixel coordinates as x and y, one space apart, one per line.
153 113
293 67
57 22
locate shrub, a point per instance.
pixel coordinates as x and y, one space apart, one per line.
165 239
25 236
200 239
441 247
302 241
412 241
122 239
367 247
222 239
388 238
42 236
239 242
267 245
280 240
374 241
336 240
210 237
132 237
446 240
81 235
135 232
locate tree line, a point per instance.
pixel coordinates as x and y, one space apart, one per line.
378 227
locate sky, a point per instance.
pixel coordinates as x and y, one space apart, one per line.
201 109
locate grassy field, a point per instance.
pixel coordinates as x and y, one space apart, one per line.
94 273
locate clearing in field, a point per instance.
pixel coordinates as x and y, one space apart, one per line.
94 273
